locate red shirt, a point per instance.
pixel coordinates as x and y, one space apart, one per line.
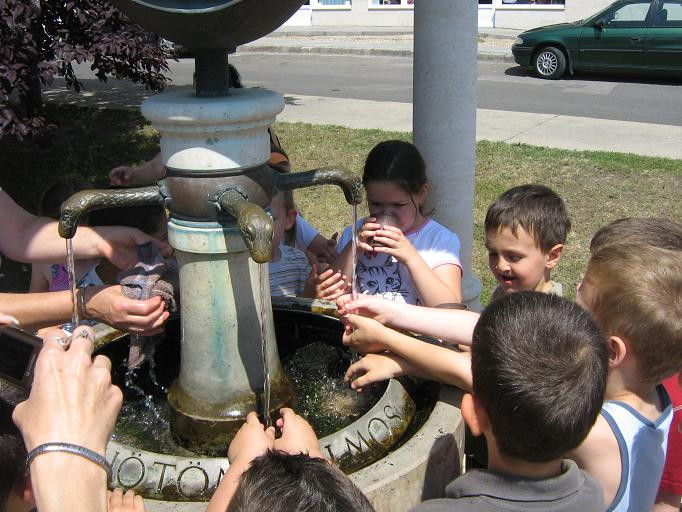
671 481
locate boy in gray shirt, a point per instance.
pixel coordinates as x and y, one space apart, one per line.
539 366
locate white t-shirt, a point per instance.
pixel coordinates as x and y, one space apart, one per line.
288 274
381 274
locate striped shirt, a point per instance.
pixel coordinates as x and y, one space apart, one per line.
288 274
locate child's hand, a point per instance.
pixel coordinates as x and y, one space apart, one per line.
374 368
371 306
128 502
121 176
328 285
391 240
366 234
297 435
252 440
364 334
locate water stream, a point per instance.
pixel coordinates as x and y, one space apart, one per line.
71 268
355 357
264 296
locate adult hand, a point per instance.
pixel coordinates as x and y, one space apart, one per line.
364 334
119 244
391 240
128 502
107 304
72 399
374 368
297 435
329 285
252 440
8 320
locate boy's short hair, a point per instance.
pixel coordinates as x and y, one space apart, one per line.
636 293
656 232
535 208
296 483
539 366
12 454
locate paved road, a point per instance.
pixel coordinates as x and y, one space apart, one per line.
501 86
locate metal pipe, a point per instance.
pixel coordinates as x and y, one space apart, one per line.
255 225
349 183
87 201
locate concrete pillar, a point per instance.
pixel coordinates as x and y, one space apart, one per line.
444 117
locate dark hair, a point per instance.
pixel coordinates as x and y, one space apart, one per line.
296 483
396 161
539 366
145 218
655 232
12 454
59 191
535 208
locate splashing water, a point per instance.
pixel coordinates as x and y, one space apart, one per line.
71 268
264 294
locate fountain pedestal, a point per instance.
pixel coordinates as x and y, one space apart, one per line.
225 317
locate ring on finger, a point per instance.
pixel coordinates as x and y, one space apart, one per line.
63 341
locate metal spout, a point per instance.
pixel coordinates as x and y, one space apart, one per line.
254 223
349 183
89 200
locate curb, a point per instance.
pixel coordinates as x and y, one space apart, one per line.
332 50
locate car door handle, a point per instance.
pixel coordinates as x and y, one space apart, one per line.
635 39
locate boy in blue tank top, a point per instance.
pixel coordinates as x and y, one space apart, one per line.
633 290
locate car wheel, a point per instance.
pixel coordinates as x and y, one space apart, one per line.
550 63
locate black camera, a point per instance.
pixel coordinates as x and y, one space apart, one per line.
18 353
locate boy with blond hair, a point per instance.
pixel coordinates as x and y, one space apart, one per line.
642 319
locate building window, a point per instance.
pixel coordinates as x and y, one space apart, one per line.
540 3
331 3
391 3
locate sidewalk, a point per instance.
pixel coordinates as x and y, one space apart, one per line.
556 131
494 44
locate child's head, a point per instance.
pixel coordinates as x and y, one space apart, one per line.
150 219
525 232
656 232
15 493
296 483
395 181
59 191
634 292
539 366
284 219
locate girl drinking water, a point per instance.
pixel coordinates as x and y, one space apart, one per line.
403 255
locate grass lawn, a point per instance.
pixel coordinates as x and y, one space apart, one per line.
598 187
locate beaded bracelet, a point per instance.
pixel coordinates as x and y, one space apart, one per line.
75 449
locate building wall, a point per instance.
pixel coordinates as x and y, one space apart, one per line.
530 16
496 14
361 15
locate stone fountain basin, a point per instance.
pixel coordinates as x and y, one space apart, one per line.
395 477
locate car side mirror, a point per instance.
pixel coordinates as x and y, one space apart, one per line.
599 24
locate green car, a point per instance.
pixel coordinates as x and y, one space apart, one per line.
629 35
